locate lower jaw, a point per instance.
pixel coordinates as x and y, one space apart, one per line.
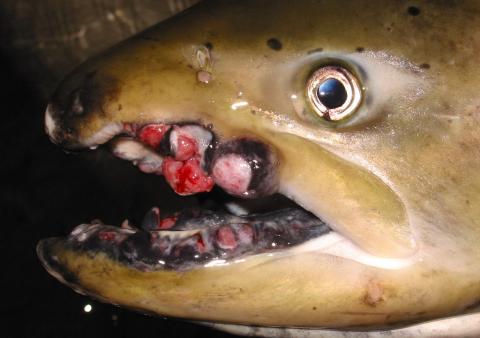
197 238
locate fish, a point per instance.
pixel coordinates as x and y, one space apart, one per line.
364 115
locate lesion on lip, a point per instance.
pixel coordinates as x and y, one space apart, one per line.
196 238
192 159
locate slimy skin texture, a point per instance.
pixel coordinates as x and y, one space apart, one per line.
400 178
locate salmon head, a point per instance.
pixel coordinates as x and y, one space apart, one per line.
364 114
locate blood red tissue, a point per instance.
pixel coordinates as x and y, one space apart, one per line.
107 235
153 134
186 177
200 244
186 147
167 223
226 238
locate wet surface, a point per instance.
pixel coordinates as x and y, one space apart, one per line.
195 238
45 192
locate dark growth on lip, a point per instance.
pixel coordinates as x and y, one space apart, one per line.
274 44
197 237
261 160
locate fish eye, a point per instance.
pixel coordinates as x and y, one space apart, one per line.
334 92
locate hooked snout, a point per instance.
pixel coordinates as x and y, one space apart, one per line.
78 104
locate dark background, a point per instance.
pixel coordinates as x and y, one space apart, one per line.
45 192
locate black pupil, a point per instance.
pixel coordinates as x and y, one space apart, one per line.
332 93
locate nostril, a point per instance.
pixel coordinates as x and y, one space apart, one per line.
75 104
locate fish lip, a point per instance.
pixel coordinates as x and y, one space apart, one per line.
49 260
46 253
197 241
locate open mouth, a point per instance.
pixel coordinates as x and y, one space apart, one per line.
192 161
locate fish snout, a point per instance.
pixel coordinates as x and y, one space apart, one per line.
78 106
55 127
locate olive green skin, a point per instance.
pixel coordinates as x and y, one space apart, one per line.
401 178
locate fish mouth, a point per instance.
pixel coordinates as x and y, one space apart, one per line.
192 160
196 238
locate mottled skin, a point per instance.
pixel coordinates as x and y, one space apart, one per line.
400 179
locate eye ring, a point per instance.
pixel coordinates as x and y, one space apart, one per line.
350 94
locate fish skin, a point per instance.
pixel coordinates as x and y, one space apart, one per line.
400 179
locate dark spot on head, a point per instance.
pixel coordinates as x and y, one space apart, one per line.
314 308
425 66
413 11
209 45
148 38
274 44
374 294
90 75
360 49
120 107
316 50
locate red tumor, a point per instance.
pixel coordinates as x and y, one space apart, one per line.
186 177
186 147
153 134
107 235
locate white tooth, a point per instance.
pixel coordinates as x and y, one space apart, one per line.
201 135
126 225
236 209
131 150
83 231
79 229
177 235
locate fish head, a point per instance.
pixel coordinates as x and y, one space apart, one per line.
365 114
